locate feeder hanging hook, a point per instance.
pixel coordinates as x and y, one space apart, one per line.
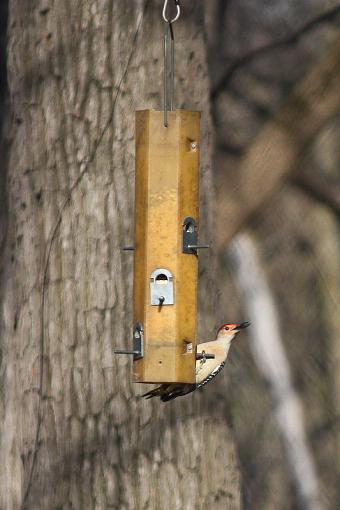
178 12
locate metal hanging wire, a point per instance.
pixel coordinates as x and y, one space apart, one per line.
169 76
169 59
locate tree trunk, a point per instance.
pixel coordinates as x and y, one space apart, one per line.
72 432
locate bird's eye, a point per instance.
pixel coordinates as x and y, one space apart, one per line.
226 328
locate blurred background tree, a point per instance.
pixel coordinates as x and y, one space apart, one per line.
275 80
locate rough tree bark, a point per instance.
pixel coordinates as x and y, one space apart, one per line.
74 435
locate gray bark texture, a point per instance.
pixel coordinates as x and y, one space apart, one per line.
73 435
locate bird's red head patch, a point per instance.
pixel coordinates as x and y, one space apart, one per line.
227 327
233 327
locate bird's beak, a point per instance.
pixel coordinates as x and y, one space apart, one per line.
242 325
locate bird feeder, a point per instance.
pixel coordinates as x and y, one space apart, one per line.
165 261
166 236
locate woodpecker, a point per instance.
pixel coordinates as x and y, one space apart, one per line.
206 369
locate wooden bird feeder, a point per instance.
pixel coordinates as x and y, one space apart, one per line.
166 236
165 261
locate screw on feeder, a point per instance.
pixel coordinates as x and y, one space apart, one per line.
198 247
161 300
125 351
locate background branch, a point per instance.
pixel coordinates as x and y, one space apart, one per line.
291 39
276 150
328 193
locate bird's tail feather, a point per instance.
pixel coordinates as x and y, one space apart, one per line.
177 391
152 393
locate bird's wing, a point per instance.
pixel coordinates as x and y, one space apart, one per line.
210 376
